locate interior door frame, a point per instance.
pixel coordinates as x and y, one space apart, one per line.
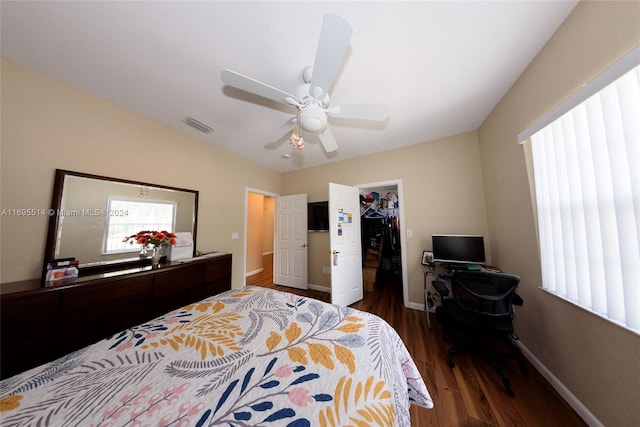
248 190
403 232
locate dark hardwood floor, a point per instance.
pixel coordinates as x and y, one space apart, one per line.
470 394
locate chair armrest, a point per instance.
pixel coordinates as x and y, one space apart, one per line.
517 300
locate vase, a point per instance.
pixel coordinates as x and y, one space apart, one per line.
143 251
155 257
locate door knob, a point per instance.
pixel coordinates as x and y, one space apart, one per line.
304 245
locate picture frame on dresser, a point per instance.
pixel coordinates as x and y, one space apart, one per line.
427 258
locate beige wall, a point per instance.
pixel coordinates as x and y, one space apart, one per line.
596 360
443 193
268 218
319 258
47 125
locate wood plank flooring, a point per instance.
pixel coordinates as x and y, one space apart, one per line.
470 394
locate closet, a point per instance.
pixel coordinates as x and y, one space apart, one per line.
380 228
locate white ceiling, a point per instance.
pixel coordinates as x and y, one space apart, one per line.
439 66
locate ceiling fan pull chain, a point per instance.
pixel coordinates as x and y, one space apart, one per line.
296 137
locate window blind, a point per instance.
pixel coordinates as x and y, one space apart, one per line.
140 215
621 67
586 166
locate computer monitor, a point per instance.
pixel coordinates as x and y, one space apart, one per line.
456 248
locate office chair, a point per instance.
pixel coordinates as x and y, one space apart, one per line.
481 312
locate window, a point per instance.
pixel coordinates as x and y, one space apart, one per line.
586 167
136 216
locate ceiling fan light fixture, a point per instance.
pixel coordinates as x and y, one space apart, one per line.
312 119
296 140
312 99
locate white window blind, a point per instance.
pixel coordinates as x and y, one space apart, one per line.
137 216
586 166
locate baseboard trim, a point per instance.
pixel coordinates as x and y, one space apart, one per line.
571 399
319 288
251 273
416 306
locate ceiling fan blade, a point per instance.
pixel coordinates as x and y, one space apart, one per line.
328 141
333 43
375 112
282 130
248 84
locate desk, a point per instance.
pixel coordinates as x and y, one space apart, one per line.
435 269
429 291
430 303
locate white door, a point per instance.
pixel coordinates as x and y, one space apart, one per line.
290 259
346 248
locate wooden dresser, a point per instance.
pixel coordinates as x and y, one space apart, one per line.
40 324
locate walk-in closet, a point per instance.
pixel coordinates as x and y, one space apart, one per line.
380 228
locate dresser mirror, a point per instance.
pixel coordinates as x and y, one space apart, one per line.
91 215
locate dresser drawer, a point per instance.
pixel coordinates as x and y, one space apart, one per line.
128 299
26 314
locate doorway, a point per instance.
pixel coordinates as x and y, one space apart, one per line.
259 236
383 237
262 270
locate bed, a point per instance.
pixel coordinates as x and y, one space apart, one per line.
253 356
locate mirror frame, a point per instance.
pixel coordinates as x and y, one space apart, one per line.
54 221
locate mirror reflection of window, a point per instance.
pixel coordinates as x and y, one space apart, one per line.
131 216
81 201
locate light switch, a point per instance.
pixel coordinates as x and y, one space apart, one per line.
409 234
234 235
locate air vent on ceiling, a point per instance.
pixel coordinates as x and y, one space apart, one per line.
196 124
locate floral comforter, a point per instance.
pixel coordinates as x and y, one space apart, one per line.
253 356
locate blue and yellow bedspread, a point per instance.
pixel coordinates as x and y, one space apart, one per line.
246 357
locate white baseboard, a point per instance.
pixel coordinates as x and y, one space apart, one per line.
251 273
416 306
319 288
572 400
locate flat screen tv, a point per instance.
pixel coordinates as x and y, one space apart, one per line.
456 248
318 216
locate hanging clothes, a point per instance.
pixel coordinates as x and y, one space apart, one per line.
380 230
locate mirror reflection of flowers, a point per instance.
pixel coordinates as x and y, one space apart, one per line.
153 238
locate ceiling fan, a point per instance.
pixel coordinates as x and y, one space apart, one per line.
312 98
